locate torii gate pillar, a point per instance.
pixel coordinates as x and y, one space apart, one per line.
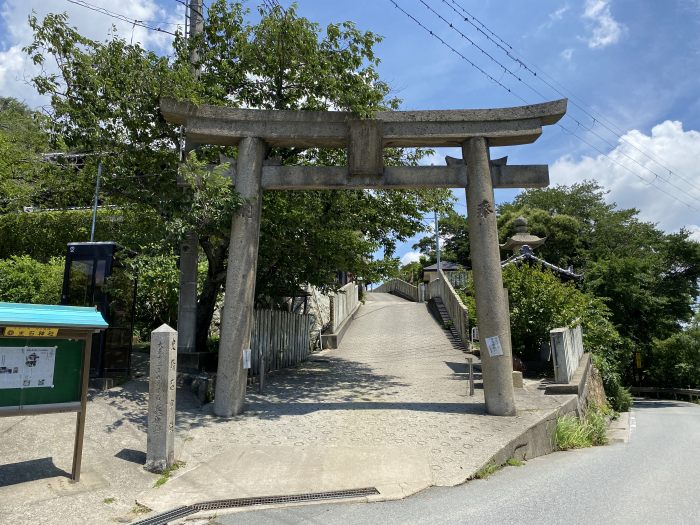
491 308
237 316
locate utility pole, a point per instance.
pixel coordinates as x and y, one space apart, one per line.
94 205
437 242
189 246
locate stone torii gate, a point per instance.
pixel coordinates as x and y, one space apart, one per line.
254 131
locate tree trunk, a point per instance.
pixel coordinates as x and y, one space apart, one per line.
206 304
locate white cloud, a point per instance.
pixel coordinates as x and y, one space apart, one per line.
15 66
559 13
677 149
554 17
694 231
605 29
410 257
567 54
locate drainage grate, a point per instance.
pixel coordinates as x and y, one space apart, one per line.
167 517
181 512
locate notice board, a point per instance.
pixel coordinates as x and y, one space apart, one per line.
40 371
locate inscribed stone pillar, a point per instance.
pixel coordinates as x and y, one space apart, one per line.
492 315
237 316
160 448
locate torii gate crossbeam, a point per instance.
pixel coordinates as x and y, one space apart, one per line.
472 130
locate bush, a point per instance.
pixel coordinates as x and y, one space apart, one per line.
25 280
618 396
156 293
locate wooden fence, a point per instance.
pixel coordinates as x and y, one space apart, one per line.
442 288
283 338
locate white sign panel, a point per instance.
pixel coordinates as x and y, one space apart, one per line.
27 367
494 346
246 358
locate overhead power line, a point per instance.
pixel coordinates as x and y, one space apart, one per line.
123 18
187 5
577 121
509 90
564 92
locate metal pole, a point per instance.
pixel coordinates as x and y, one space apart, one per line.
94 205
437 242
261 369
470 364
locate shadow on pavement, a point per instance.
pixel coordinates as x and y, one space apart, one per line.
31 470
660 403
132 456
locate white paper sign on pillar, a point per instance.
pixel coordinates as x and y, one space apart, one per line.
247 358
494 346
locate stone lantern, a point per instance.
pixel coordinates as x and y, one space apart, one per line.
522 238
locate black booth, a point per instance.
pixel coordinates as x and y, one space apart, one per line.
95 276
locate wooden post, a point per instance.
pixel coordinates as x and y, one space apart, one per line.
160 448
80 421
237 317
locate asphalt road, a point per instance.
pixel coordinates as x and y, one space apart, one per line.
655 478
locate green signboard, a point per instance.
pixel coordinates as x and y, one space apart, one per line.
45 362
20 356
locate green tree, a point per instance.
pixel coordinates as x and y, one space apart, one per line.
106 99
539 302
675 361
454 239
648 279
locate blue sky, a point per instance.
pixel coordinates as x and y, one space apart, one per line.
632 64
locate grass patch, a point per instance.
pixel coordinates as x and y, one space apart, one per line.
485 472
107 501
492 468
573 432
165 476
140 509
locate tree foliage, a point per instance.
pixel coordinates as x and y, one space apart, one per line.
675 361
454 239
105 99
26 280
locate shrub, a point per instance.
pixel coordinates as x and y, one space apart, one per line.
156 293
25 280
618 396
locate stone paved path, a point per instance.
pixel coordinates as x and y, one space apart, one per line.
389 409
395 381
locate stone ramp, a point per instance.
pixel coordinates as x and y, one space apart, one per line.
388 409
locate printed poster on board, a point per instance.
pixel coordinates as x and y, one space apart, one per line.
27 367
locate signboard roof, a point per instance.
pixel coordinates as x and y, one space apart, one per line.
17 314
